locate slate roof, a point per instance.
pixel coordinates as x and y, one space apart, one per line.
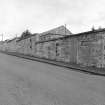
26 37
75 35
61 30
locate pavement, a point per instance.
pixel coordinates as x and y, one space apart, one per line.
26 82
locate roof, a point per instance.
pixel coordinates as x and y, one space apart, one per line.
75 35
26 37
61 30
8 41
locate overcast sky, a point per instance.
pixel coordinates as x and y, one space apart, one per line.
42 15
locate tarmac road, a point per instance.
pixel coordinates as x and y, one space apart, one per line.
26 82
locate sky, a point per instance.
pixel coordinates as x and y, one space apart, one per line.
41 15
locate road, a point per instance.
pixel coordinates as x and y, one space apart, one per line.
26 82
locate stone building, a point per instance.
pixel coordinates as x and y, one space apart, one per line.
3 45
91 48
60 49
26 45
87 48
60 31
12 45
9 45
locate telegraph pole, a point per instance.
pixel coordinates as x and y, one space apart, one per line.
2 37
16 35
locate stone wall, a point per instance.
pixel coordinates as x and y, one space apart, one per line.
86 48
64 49
90 50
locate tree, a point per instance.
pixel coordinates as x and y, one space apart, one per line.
25 34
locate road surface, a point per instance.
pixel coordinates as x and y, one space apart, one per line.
26 82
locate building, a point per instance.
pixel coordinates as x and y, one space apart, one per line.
57 32
11 44
87 48
60 31
91 48
26 45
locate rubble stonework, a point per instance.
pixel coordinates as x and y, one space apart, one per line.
87 48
